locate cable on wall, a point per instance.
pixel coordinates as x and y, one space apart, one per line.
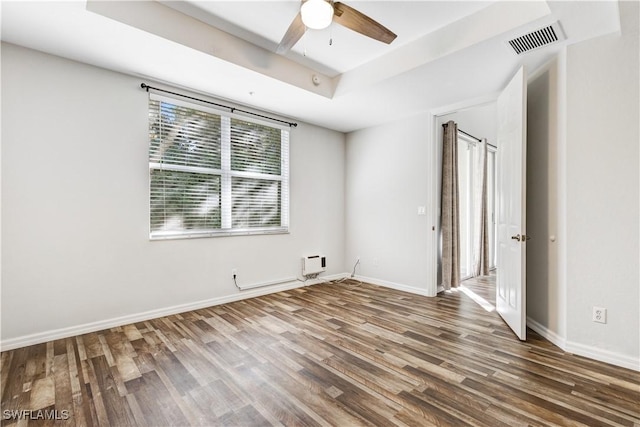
231 109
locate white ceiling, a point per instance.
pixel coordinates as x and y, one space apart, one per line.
446 52
265 22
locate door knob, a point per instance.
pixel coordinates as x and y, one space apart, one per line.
516 237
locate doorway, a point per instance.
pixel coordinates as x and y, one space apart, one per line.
468 152
509 127
479 121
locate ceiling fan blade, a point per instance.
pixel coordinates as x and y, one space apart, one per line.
361 23
294 33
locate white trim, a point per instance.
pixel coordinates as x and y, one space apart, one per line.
433 287
42 337
464 105
432 250
561 194
393 285
284 174
55 334
602 355
546 333
226 221
587 351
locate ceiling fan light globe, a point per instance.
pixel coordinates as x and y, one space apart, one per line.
316 14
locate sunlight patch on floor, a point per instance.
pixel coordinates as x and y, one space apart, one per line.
477 298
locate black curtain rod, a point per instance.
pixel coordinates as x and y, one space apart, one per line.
471 136
231 109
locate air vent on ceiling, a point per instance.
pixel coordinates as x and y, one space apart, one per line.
537 39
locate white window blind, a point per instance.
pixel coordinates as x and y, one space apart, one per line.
214 174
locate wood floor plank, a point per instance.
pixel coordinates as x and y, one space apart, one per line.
335 354
321 401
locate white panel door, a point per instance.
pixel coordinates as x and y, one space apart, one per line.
511 177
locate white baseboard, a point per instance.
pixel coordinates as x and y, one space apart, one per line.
603 355
393 285
41 337
546 333
55 334
585 350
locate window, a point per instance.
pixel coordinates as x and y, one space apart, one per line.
214 174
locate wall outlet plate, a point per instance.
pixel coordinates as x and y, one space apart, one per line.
599 315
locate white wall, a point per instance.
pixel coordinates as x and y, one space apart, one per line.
387 178
583 189
602 194
75 205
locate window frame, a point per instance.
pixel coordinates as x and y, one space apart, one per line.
226 174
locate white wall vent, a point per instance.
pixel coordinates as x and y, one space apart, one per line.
313 264
537 39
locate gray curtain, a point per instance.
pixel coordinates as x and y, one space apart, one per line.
450 209
481 222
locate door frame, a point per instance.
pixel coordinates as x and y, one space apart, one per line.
433 287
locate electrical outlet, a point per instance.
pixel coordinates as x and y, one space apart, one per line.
599 315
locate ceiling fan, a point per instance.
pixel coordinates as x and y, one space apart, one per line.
318 14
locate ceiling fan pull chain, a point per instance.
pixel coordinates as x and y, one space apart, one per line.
304 44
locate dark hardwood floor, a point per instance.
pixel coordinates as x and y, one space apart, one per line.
337 354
